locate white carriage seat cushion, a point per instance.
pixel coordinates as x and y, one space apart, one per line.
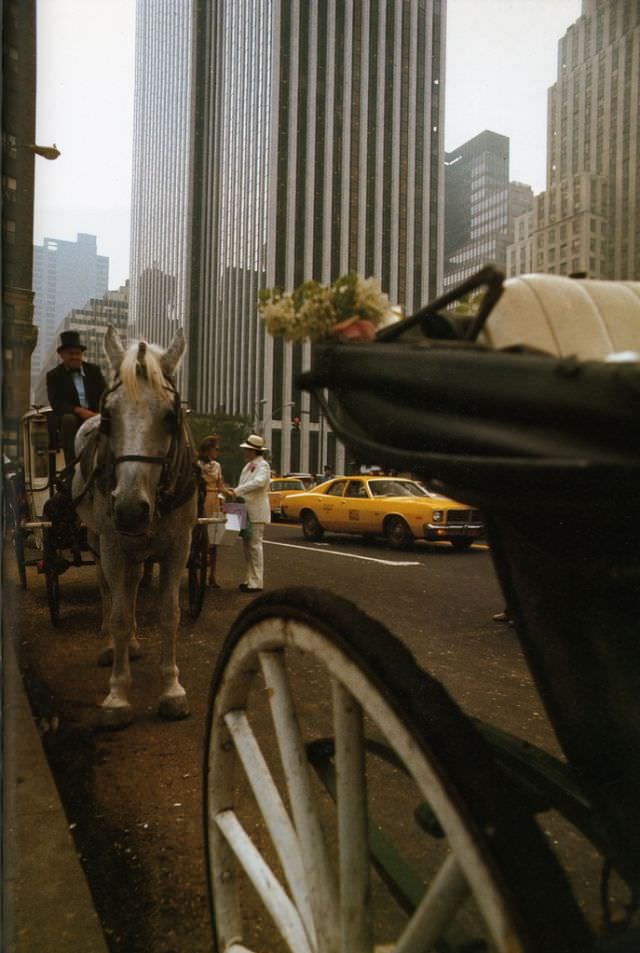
587 319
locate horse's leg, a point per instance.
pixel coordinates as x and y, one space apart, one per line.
123 579
105 656
105 595
173 700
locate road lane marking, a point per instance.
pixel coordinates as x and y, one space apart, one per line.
332 552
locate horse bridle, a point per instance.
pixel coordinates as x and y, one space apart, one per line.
165 499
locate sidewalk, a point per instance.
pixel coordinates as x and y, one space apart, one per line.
46 903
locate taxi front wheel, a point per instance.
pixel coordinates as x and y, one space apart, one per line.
398 533
311 528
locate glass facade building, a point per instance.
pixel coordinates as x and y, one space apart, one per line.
480 206
65 275
162 150
311 134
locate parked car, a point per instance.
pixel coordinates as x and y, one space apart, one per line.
399 509
279 487
308 479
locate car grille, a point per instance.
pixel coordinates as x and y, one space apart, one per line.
464 516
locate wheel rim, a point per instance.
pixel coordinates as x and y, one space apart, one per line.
263 653
197 572
311 526
397 533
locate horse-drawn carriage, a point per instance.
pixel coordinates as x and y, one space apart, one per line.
42 521
46 532
544 439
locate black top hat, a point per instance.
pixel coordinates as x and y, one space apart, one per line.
70 339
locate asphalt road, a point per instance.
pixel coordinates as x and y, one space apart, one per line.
134 798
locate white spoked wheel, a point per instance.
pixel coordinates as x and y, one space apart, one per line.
308 860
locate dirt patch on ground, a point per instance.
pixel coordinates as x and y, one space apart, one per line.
133 798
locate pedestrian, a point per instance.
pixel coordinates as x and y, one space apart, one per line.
74 389
211 471
253 487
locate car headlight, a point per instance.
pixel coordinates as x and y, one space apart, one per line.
437 516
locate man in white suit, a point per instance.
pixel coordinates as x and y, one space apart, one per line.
254 489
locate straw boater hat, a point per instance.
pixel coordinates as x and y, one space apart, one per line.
254 442
70 339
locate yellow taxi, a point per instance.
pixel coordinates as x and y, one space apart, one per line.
399 509
279 487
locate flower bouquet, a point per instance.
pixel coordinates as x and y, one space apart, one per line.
349 309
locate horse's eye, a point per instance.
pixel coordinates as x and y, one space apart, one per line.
170 419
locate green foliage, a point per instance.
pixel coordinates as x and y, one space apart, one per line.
232 429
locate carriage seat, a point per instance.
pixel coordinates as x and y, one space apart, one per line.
565 317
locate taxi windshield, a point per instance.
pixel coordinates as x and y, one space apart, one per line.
395 488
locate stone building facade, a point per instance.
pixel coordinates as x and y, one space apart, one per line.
588 219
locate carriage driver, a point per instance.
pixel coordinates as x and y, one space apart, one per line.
74 389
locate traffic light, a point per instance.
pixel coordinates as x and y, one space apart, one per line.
295 423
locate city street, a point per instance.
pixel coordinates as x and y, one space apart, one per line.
134 798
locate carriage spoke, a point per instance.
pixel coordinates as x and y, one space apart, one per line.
274 813
355 904
446 894
320 876
271 892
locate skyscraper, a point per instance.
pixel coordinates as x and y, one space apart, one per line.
318 148
162 164
65 275
480 206
18 141
588 218
91 321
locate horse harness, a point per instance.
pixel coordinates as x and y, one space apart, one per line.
98 464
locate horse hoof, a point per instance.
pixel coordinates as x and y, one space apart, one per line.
105 656
113 719
174 707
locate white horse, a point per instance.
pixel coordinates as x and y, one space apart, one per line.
135 491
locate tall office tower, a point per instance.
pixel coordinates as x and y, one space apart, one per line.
480 206
91 321
162 163
18 141
319 150
588 219
65 275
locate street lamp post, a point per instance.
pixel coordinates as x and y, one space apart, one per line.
268 427
257 413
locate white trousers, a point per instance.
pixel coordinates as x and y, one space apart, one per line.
254 557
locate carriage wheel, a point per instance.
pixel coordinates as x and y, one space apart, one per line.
198 569
51 559
288 870
18 546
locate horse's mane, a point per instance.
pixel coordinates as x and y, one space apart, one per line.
142 361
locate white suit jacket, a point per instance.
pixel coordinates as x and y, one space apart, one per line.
254 488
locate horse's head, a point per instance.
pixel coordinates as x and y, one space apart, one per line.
141 415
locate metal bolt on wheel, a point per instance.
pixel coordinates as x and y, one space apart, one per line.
290 870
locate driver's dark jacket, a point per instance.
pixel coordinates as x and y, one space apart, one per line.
62 392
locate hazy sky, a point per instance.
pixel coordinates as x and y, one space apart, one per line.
501 59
